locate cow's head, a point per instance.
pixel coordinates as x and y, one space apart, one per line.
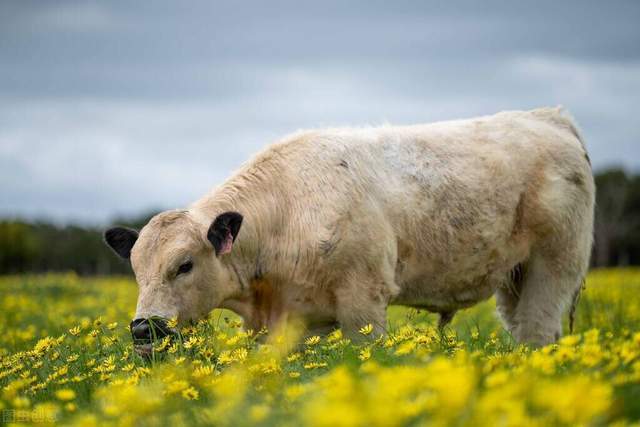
176 261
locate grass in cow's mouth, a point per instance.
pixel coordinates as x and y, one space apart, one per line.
75 363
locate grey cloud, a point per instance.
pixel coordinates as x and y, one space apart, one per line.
114 107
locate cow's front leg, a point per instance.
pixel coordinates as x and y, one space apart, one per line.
320 329
359 307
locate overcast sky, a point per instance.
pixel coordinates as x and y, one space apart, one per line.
110 107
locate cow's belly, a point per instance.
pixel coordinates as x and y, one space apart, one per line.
462 282
459 263
438 295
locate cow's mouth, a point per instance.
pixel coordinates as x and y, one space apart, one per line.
143 350
147 331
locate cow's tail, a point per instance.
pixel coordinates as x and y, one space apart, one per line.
574 304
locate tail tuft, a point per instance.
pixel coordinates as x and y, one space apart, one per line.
574 305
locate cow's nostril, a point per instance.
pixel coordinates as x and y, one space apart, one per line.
136 322
141 331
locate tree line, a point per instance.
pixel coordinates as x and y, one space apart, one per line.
41 246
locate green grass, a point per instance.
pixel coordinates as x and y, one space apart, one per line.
66 357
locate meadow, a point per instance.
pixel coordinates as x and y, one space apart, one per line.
66 359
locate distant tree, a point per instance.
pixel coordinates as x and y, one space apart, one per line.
611 194
40 247
617 221
18 246
629 242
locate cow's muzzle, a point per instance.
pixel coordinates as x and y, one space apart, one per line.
145 331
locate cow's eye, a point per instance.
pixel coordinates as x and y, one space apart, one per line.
185 268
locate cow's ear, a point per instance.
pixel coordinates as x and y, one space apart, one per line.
121 240
223 231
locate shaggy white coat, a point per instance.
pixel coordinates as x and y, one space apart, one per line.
340 223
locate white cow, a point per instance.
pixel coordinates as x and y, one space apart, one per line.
333 225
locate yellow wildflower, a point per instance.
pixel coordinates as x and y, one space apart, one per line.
190 393
367 329
312 340
65 394
315 365
365 354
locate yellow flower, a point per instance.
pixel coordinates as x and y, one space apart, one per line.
65 394
163 344
569 340
21 402
294 391
365 354
312 340
497 378
335 336
573 401
176 386
315 365
293 357
240 354
258 413
191 342
269 366
190 393
233 340
44 345
367 329
405 348
202 371
225 357
636 339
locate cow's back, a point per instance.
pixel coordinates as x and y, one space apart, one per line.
451 206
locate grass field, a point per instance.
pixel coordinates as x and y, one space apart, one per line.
66 358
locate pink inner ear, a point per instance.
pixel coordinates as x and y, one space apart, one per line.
226 245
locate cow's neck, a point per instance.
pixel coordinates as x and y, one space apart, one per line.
249 263
258 300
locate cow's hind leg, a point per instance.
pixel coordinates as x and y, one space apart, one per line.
560 225
550 282
545 293
445 318
508 296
